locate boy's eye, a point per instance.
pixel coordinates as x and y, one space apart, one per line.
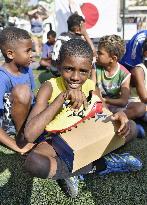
84 72
28 50
67 69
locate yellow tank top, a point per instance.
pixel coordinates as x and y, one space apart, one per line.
59 86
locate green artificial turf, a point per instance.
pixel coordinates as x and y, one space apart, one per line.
18 188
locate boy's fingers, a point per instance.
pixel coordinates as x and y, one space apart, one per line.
122 125
124 130
74 105
85 103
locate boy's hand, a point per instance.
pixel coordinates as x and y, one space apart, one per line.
124 128
77 99
83 29
27 148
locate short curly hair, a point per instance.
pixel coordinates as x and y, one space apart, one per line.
10 36
113 44
75 47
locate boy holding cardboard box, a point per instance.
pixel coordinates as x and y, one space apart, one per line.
69 94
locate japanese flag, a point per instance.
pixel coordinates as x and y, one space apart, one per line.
101 17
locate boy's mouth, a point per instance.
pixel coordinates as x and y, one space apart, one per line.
74 85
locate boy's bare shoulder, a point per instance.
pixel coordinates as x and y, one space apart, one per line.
45 90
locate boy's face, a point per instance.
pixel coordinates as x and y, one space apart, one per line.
103 58
21 53
51 39
75 71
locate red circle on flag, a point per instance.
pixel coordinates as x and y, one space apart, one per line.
91 14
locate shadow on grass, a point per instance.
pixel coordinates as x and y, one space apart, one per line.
15 185
45 75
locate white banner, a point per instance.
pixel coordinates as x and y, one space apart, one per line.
101 15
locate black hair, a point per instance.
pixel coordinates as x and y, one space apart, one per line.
10 36
73 21
75 47
51 33
144 45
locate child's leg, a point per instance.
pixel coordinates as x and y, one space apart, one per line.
132 133
7 130
135 110
21 102
43 162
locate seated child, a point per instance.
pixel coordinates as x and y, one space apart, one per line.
133 51
139 76
73 85
139 80
47 49
113 79
16 83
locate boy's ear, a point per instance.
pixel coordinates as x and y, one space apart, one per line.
77 29
114 58
10 54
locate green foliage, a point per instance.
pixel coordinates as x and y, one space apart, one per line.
18 7
15 7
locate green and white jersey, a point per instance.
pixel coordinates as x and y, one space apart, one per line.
111 85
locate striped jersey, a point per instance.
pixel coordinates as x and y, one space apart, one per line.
110 86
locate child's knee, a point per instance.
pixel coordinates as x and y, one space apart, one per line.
21 94
139 109
133 131
37 165
142 109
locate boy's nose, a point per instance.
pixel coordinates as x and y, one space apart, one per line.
75 76
31 54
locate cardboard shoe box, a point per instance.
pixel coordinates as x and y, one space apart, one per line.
91 140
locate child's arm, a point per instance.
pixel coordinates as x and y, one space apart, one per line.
124 95
45 62
32 12
87 38
138 77
42 113
120 116
11 143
